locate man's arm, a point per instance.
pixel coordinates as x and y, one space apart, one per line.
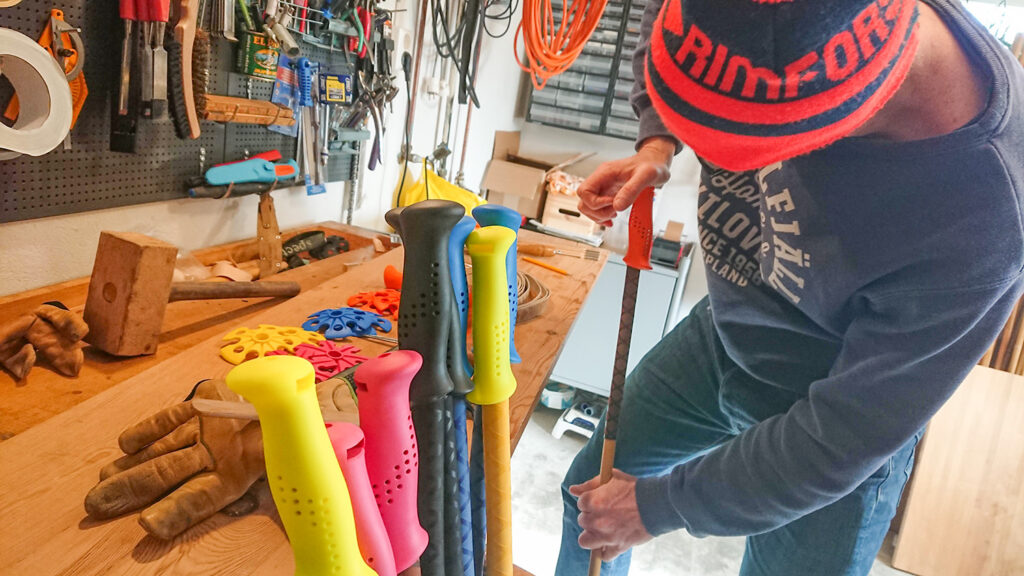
902 357
650 123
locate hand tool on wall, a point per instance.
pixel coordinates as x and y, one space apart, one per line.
392 457
201 191
246 111
159 12
494 384
498 215
275 18
224 19
349 445
180 71
308 135
423 326
638 257
460 371
146 28
252 170
305 479
131 286
127 12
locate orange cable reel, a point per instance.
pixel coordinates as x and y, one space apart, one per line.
549 51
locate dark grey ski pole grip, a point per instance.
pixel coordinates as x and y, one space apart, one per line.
424 322
497 215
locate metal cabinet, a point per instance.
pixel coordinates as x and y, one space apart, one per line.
589 352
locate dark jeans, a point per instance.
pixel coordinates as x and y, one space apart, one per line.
677 406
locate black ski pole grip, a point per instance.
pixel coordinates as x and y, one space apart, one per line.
424 323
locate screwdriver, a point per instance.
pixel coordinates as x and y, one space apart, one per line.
142 9
127 12
160 13
546 250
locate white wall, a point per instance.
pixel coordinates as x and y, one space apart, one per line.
44 251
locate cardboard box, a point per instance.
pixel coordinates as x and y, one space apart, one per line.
562 212
517 181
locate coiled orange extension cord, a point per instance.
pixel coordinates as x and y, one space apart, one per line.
550 49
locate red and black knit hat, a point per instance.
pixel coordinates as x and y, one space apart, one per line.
747 83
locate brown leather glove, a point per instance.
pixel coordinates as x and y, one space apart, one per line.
214 459
51 333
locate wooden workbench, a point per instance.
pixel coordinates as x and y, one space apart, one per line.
46 393
46 471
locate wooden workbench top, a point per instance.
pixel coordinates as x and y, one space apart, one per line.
47 470
46 393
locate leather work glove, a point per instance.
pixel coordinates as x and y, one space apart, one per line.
51 332
214 459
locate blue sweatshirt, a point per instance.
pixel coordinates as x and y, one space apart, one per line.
865 279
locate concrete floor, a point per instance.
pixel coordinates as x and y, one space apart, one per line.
538 466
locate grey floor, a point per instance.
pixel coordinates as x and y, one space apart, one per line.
538 465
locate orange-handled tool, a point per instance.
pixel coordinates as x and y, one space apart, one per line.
638 257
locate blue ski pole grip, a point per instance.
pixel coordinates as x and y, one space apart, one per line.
457 267
305 71
496 215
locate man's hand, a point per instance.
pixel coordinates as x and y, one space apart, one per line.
614 186
609 515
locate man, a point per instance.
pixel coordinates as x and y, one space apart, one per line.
860 225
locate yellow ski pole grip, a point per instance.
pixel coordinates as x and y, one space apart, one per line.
305 478
492 375
493 385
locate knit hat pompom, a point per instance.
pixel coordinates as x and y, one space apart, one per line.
747 83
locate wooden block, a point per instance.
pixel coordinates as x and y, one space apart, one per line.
128 290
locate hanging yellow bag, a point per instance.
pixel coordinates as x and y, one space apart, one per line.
432 186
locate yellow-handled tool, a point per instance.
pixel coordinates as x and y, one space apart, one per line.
305 478
494 384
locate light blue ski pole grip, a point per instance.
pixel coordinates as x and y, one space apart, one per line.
496 215
305 72
457 267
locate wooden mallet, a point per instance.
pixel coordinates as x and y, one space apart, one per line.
131 285
638 257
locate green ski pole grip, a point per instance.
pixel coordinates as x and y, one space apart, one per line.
302 469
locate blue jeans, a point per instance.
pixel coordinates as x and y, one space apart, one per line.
685 398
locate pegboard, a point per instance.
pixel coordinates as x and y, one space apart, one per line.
89 176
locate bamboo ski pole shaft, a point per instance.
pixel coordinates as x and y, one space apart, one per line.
494 384
638 257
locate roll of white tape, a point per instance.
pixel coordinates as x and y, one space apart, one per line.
44 97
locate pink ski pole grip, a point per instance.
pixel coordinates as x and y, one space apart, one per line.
350 447
392 463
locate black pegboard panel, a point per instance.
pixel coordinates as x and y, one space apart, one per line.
90 176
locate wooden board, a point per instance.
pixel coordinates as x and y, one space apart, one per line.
46 393
965 506
47 470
